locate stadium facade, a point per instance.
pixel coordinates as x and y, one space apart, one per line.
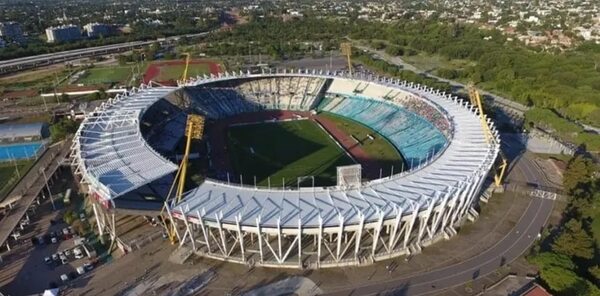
123 149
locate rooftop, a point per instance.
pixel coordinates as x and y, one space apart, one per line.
22 130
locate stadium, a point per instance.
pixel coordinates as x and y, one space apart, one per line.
277 179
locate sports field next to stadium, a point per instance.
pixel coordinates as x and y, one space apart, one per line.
173 70
285 150
106 75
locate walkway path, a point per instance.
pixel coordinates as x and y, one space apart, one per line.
31 185
505 251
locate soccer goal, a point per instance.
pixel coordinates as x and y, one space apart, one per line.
349 175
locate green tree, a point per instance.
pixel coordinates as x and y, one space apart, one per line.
573 240
62 129
557 271
123 59
394 50
64 97
595 272
578 173
68 217
102 93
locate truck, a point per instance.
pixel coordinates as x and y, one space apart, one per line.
67 197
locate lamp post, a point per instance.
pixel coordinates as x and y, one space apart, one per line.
48 188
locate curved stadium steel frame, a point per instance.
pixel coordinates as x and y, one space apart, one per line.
304 227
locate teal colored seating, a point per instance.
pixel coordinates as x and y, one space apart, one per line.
416 138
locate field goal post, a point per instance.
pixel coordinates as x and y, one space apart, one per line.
349 175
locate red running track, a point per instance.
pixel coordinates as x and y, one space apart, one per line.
370 166
153 70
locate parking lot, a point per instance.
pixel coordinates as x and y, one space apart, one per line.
47 252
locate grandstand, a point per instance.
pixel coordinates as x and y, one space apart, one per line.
226 98
409 132
120 150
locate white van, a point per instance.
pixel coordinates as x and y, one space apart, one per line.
78 253
80 270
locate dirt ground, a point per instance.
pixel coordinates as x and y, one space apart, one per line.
132 271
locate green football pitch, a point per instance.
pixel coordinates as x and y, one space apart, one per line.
285 151
106 75
375 146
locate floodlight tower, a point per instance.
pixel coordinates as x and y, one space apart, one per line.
187 64
346 48
489 136
194 129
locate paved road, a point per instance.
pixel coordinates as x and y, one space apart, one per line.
31 185
508 249
18 64
503 252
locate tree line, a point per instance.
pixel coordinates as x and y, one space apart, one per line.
567 257
565 83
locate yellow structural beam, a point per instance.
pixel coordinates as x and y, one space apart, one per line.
194 130
346 49
187 65
475 99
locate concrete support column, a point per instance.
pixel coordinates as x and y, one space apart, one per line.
339 237
204 230
240 237
260 248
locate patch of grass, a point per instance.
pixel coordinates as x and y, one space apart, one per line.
429 63
34 80
285 150
106 75
379 148
174 72
562 157
9 176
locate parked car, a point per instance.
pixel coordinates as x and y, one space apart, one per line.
47 260
81 270
78 253
54 240
55 257
67 252
88 266
64 277
79 240
64 261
